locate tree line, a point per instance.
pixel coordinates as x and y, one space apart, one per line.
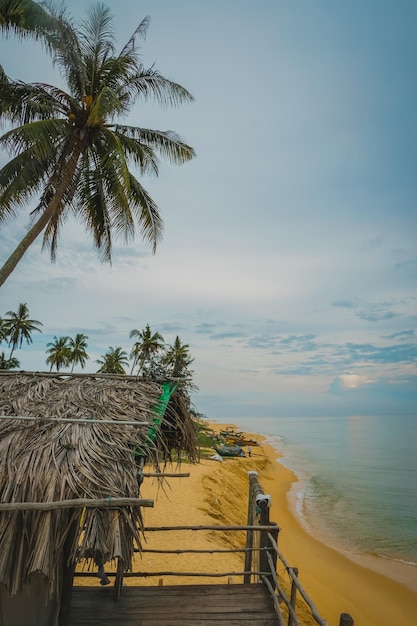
149 355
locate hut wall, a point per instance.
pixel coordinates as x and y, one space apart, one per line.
31 607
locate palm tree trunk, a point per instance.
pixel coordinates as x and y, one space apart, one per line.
67 164
25 243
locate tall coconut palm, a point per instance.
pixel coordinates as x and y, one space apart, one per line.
18 327
78 350
178 358
113 362
69 148
59 353
146 348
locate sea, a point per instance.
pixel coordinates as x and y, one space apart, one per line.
357 479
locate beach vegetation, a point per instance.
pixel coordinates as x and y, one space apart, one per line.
177 359
145 350
69 148
113 361
59 353
7 363
17 327
78 350
23 18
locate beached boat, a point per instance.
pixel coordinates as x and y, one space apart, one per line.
229 450
240 441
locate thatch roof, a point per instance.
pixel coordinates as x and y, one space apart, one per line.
92 456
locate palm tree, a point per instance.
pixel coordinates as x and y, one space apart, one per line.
19 327
178 358
113 361
59 353
3 332
8 364
78 350
23 17
146 348
69 148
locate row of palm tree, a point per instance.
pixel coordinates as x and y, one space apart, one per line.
149 356
67 352
67 146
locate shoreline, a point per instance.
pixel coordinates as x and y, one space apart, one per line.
396 570
371 590
217 494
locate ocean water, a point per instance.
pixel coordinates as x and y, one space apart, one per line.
357 475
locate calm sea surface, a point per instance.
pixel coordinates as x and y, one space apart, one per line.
357 478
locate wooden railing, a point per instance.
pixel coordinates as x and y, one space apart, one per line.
262 560
283 589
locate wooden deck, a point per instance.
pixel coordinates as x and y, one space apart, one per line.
180 605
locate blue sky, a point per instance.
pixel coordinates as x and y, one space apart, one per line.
289 258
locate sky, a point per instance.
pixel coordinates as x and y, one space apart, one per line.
289 256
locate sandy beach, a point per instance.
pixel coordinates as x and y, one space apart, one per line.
217 493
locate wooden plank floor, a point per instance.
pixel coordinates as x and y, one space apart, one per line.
185 605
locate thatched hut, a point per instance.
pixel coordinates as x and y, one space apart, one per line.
71 447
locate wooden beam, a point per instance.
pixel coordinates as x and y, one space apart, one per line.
74 420
104 503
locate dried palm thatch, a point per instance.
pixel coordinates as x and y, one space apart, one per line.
91 456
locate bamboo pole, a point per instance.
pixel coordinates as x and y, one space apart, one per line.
156 528
74 420
168 573
92 375
165 475
293 598
207 551
109 503
275 601
290 571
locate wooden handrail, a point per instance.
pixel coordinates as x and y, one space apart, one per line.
300 588
158 528
102 503
167 573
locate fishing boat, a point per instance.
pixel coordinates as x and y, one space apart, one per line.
240 440
224 450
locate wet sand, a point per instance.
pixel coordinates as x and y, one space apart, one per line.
217 493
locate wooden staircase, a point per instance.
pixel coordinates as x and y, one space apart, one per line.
179 605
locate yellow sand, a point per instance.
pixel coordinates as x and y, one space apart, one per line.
217 493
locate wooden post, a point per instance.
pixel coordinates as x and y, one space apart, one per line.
346 620
263 521
249 533
293 596
273 554
67 577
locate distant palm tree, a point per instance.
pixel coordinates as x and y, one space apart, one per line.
78 350
68 148
113 361
146 348
19 327
59 353
3 333
8 364
178 358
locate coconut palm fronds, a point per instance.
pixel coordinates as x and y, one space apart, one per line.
91 456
